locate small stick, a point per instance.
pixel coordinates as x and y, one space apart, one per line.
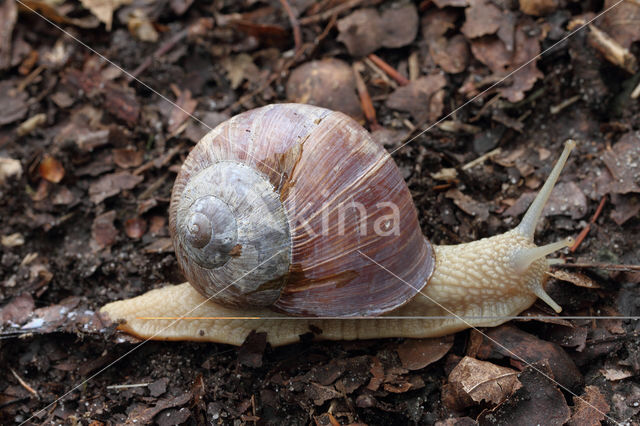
334 11
134 385
391 72
381 74
603 266
442 186
636 92
365 100
29 79
25 384
481 159
297 35
166 46
586 229
554 109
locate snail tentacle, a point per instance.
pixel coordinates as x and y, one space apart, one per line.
530 220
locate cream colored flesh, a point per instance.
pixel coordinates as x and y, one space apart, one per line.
470 280
178 300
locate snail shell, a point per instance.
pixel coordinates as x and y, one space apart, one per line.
277 206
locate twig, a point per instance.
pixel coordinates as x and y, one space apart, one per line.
13 401
586 229
365 98
29 79
381 74
636 92
481 159
554 109
334 11
134 385
297 36
25 384
603 266
164 48
391 72
612 50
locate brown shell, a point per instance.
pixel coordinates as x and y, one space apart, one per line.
324 168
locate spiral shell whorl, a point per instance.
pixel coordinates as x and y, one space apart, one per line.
231 234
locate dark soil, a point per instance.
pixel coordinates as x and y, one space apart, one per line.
95 123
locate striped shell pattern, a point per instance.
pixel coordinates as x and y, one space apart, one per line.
291 206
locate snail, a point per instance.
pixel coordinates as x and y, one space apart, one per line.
290 218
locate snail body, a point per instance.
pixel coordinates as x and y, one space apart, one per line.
290 217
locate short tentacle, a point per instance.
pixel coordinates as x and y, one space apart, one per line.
523 258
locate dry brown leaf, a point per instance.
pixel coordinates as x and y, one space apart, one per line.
482 381
627 206
13 103
252 349
111 184
122 102
590 408
127 157
240 68
321 394
362 31
621 22
623 164
436 22
415 354
453 3
527 46
17 310
451 54
103 9
52 12
161 245
494 53
142 414
482 18
400 25
416 97
103 232
575 278
614 374
566 199
468 205
183 109
538 7
509 341
538 401
377 374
